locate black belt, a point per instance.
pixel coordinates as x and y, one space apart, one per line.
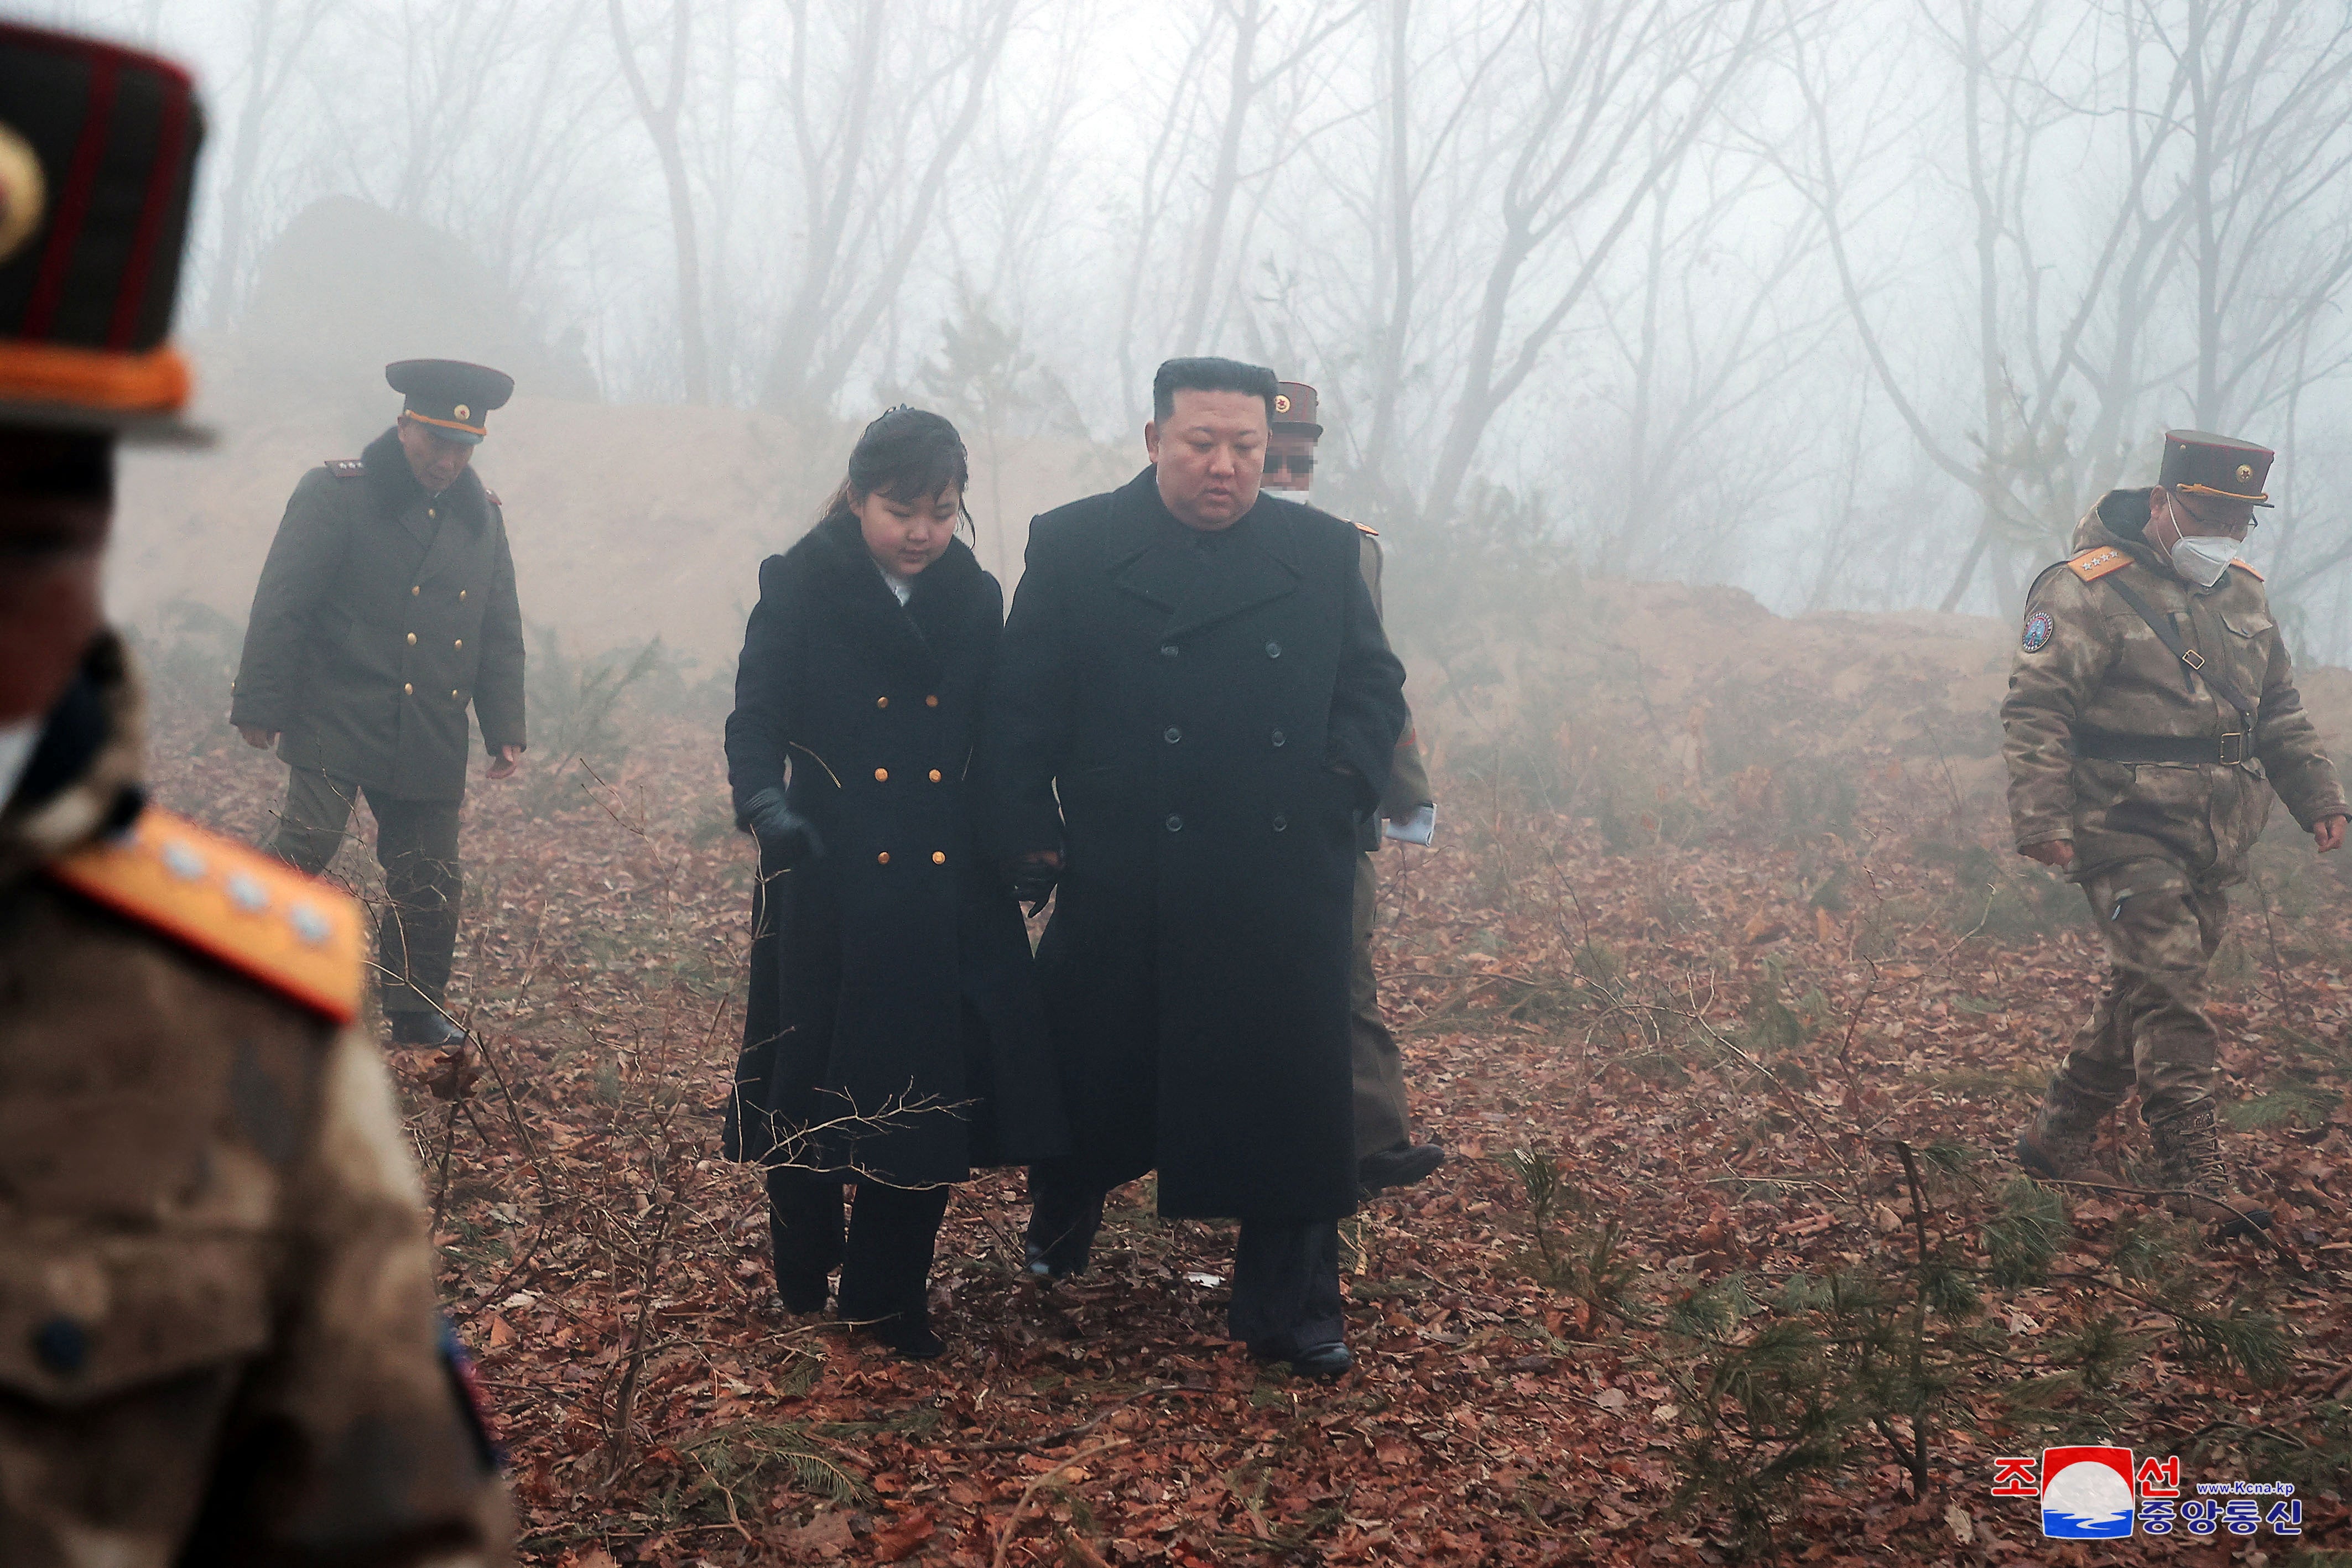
2229 750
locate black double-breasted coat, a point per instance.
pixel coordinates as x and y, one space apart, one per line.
891 989
383 614
1196 722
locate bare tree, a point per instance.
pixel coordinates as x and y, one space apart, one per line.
276 34
871 173
660 118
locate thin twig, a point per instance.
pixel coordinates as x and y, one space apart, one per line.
1013 1522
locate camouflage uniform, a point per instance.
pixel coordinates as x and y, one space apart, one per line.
2156 844
220 1340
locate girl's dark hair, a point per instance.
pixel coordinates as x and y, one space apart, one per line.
908 454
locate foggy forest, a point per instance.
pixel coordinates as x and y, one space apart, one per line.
1718 375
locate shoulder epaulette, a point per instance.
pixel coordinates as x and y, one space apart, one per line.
233 904
492 496
2247 567
1367 533
2094 564
346 467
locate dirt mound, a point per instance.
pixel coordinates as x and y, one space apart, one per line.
1691 688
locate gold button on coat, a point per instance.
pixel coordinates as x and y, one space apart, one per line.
406 689
461 593
935 775
881 702
411 639
881 776
938 857
883 859
416 590
453 694
931 702
461 641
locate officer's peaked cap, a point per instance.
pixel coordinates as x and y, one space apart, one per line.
97 157
2199 463
450 396
1294 410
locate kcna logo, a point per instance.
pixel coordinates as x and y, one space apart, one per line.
2095 1492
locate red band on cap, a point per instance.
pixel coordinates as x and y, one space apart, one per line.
171 136
73 201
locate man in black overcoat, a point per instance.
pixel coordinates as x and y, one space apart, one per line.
385 610
1193 709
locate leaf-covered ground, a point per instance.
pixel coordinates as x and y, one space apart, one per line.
1727 1255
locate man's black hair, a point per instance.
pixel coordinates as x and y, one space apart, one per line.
1209 374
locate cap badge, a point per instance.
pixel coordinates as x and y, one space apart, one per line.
2245 473
1282 402
24 194
461 411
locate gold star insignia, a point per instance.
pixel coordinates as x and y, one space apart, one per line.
24 193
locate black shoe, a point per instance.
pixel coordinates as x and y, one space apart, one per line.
1323 1361
907 1334
425 1028
1399 1166
1042 1265
801 1293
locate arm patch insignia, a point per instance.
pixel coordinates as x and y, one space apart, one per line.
2038 630
2094 564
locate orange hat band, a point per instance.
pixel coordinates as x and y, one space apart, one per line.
445 423
97 378
2258 496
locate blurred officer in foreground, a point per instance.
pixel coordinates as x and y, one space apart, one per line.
386 606
1386 1154
2152 710
220 1341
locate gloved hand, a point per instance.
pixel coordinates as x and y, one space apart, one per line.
1032 878
787 839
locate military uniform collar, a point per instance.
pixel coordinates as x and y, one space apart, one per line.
397 492
99 789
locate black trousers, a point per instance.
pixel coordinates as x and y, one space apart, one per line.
1285 1272
416 844
885 1258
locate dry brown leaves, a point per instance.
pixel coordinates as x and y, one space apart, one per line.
610 1271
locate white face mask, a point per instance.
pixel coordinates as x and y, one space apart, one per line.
16 743
2202 560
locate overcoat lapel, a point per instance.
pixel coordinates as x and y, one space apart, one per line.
872 615
394 495
464 513
1146 560
1253 571
1151 563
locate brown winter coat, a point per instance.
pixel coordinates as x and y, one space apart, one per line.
382 615
2088 664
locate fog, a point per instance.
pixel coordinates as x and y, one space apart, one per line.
1853 305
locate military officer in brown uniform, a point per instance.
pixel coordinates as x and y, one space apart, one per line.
2152 711
217 1336
1386 1154
387 608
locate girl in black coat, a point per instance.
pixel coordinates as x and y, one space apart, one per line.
892 1040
